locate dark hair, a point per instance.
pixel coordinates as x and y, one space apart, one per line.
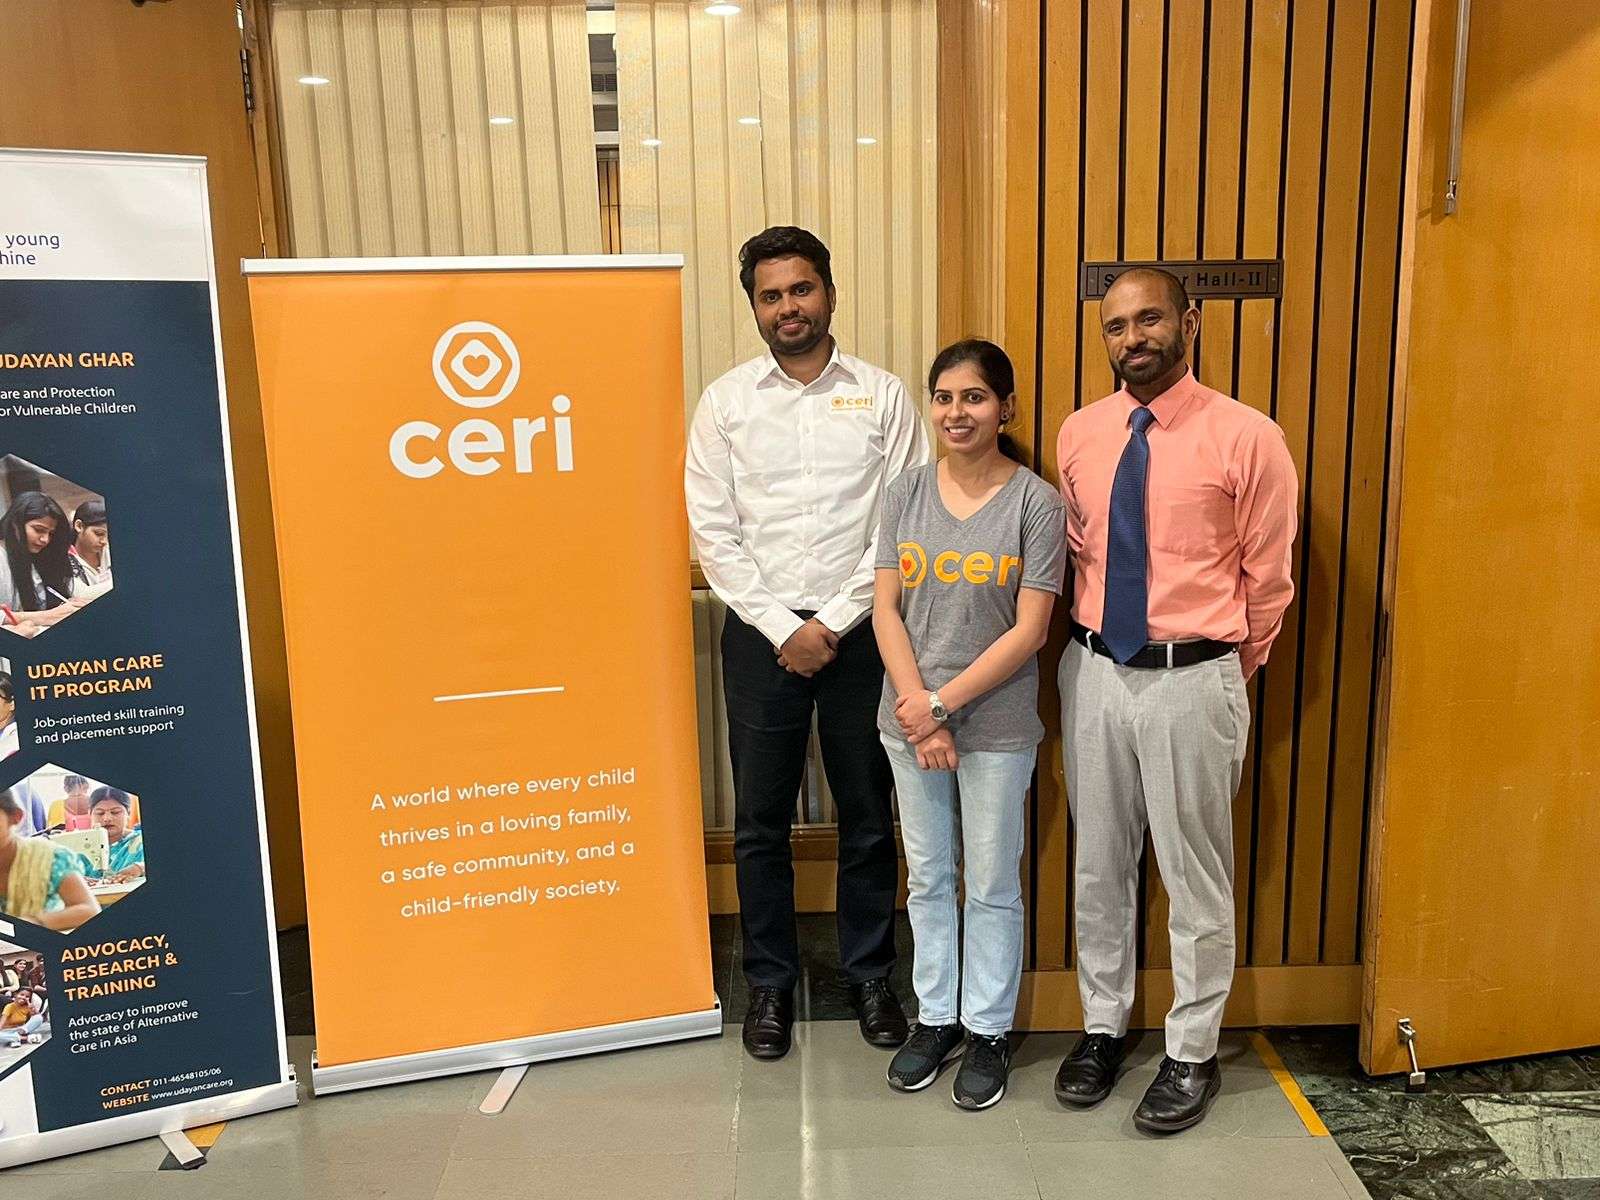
783 241
994 365
52 562
90 512
1176 292
74 781
7 692
115 795
10 805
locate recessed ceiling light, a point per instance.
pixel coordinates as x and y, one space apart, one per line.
502 120
313 80
722 10
866 141
749 120
651 142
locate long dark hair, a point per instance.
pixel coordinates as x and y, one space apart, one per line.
52 563
994 365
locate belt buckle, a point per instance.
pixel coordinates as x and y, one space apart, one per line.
1169 656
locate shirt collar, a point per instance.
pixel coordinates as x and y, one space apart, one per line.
1167 407
772 373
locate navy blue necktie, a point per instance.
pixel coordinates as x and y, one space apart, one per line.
1124 627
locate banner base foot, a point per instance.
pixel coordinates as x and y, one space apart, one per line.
504 1088
97 1135
490 1056
181 1148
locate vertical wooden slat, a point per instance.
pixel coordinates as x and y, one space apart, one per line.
470 129
1256 321
1364 478
569 63
746 197
1059 324
809 64
329 105
777 116
1141 236
299 134
1224 82
1018 67
430 59
675 165
407 202
1276 689
1141 148
871 201
905 197
709 125
931 162
840 50
1181 197
636 121
1320 539
1102 133
368 152
509 191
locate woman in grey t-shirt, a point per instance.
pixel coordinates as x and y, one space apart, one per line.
971 556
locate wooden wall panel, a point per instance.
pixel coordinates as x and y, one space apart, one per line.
1220 129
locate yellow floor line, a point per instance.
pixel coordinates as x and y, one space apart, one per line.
205 1136
1286 1083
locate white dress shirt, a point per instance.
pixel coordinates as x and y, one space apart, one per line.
785 481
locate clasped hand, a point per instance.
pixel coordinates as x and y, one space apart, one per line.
809 649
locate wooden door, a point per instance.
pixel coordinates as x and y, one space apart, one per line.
1484 890
1220 129
166 79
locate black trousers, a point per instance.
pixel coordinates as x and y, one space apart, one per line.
769 725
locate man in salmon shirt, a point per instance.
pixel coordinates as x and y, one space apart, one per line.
1181 512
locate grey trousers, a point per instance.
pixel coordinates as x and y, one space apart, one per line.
1162 749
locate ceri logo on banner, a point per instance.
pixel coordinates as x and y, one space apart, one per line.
477 365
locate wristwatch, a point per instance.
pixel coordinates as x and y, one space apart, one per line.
936 706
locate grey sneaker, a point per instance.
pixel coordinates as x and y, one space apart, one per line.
981 1081
916 1064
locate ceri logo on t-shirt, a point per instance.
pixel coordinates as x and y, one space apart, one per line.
952 566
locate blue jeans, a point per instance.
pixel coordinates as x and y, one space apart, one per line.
975 812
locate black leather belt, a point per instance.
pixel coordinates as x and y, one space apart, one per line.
1158 654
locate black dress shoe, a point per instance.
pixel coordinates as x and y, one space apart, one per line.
883 1022
1087 1074
1179 1097
769 1024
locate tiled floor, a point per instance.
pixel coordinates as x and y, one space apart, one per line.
1528 1129
700 1120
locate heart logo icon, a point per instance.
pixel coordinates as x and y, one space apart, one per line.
475 364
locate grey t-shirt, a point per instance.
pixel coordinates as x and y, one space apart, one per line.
958 594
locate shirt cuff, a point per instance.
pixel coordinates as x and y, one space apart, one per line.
778 625
842 614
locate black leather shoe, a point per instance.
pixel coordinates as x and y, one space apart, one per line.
769 1024
1179 1097
1087 1075
883 1022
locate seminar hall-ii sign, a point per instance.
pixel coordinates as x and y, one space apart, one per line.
1221 279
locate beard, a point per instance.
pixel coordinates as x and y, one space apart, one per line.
799 343
1162 359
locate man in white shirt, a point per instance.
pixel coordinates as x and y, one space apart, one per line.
789 456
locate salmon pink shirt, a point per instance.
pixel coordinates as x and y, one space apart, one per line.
1220 515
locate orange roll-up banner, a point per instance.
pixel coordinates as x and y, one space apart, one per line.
477 481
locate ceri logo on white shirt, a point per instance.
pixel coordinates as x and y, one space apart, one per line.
477 365
851 404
